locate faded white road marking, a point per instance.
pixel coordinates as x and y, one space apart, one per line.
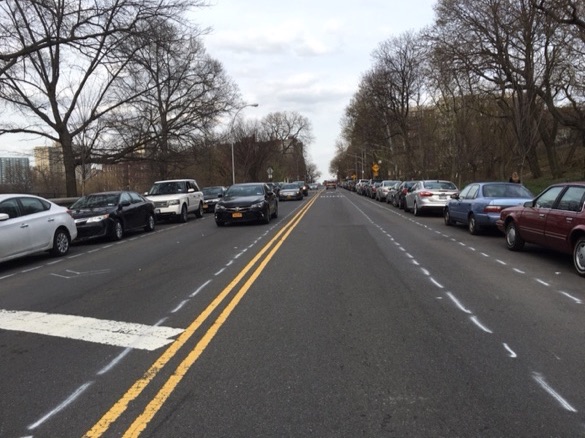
457 303
540 380
480 325
121 334
510 351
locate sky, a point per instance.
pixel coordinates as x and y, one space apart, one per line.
305 56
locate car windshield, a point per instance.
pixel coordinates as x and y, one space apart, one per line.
167 188
96 201
245 191
506 191
290 187
212 191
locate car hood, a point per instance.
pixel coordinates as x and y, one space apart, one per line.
235 201
81 213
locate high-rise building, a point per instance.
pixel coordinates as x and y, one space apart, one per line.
13 169
49 159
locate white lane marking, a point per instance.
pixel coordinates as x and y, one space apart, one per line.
436 283
540 380
200 288
426 272
544 283
519 271
458 304
62 406
480 325
7 276
512 354
114 361
32 269
121 334
180 306
577 300
501 262
219 272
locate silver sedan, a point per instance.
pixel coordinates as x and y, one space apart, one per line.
427 195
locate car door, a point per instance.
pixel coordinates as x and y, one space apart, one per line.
458 208
532 223
129 211
14 232
566 215
40 221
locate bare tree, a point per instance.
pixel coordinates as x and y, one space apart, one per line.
186 93
288 128
62 60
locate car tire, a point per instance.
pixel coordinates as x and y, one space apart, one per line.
117 230
472 226
579 256
183 216
513 240
61 243
275 214
415 209
406 210
199 211
267 215
150 223
447 218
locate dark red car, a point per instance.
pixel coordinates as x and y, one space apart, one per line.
554 219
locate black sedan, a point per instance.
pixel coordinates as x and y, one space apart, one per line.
247 202
112 214
211 197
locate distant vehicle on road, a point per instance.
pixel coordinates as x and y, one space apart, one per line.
246 202
211 196
289 191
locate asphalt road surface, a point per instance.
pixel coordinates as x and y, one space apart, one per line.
344 317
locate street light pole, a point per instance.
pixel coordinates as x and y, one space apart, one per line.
232 137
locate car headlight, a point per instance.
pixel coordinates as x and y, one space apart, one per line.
219 207
174 202
258 205
99 218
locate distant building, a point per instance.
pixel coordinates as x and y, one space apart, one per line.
14 169
49 159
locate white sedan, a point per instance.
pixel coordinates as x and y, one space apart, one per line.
429 195
31 224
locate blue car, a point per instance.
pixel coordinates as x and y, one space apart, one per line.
478 205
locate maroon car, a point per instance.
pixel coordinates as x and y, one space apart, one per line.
554 219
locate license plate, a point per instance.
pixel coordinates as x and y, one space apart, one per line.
205 206
236 215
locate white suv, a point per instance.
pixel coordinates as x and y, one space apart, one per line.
176 198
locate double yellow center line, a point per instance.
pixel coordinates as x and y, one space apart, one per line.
142 421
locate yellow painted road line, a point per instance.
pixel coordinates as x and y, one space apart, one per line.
136 389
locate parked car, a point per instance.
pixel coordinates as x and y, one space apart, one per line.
176 198
211 197
479 204
112 214
383 189
554 219
246 202
290 191
372 188
428 195
392 192
31 224
399 197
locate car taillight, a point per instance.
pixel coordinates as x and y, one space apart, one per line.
425 193
492 209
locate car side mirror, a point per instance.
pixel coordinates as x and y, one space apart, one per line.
529 204
455 196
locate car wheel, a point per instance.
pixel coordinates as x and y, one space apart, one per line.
183 216
267 215
117 230
415 209
61 243
275 214
579 256
472 225
199 211
150 223
447 218
513 240
406 210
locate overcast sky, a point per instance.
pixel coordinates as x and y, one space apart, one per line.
305 56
